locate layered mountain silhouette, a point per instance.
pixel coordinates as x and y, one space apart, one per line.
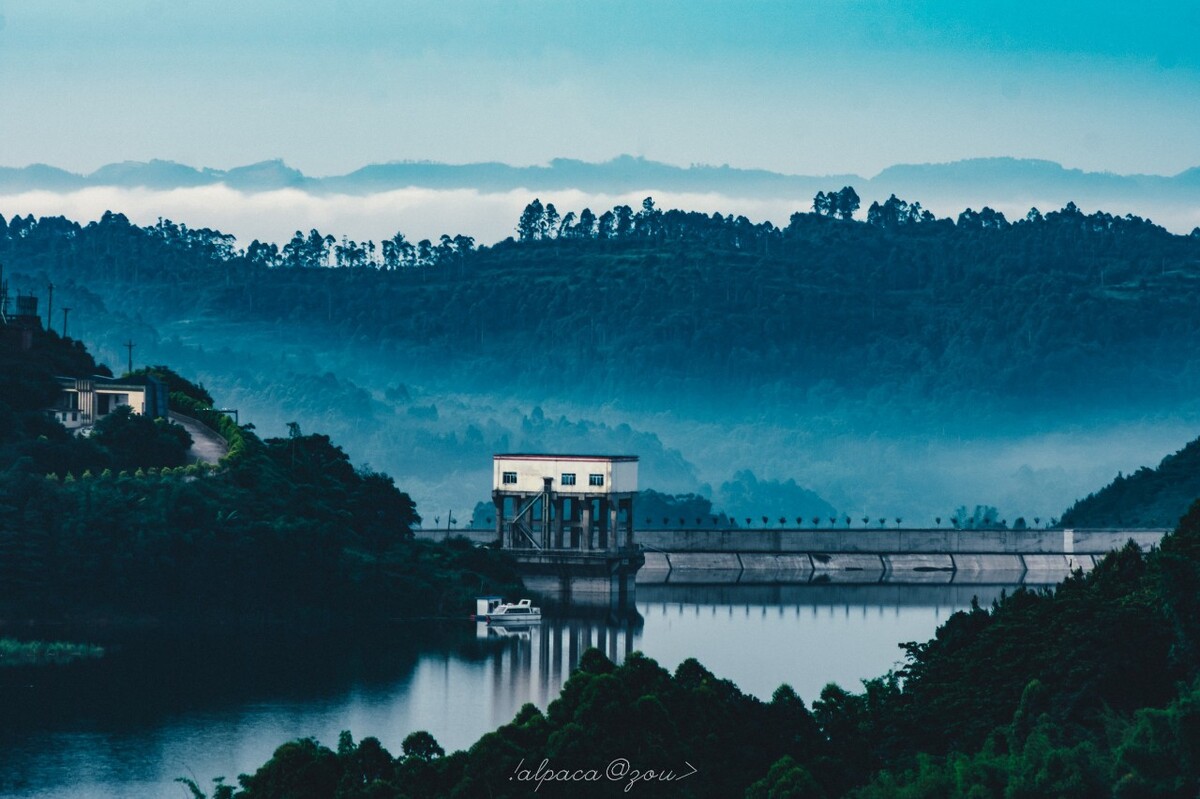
624 173
1013 184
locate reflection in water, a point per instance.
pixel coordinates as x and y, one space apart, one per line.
530 663
806 635
156 709
868 595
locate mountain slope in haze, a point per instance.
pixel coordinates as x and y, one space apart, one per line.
975 181
624 173
1016 174
1157 497
40 177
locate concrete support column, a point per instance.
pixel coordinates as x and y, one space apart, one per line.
544 532
556 540
585 519
614 523
547 506
510 538
629 522
498 503
602 524
530 520
510 533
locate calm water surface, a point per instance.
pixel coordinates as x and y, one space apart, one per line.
157 709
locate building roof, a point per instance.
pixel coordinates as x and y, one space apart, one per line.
100 381
543 456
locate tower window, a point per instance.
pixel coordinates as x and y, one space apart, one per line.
510 478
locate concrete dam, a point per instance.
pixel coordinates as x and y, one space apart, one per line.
910 555
904 555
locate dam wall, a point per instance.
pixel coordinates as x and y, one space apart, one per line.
909 541
908 556
905 555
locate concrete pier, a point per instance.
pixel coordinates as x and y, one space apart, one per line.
587 579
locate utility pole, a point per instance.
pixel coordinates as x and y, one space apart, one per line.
129 345
50 309
66 311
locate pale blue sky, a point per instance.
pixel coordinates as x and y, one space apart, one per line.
795 87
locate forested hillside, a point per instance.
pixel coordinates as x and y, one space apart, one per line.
114 527
1049 310
829 351
1155 497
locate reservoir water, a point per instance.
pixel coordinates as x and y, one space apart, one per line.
157 707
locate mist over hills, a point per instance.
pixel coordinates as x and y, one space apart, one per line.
904 366
1011 185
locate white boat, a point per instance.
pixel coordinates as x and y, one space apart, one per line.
494 611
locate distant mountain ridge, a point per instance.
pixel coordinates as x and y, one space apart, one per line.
992 178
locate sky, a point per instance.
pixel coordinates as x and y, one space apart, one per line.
795 87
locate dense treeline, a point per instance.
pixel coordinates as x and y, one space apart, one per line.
1050 309
1147 498
114 526
1085 690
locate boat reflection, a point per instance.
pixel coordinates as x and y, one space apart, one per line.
522 632
530 662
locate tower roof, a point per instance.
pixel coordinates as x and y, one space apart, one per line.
550 456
